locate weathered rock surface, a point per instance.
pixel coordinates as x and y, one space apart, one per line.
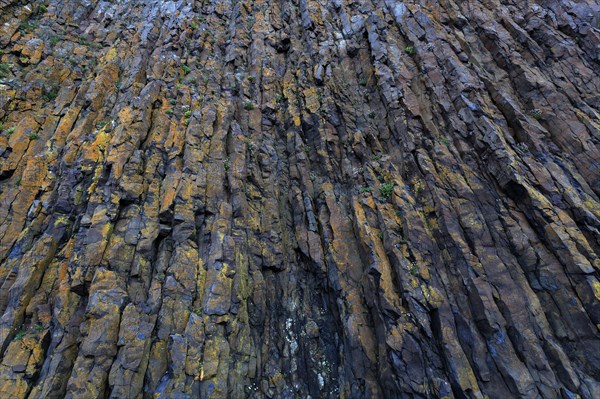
354 199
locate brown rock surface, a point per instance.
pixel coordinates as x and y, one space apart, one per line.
353 199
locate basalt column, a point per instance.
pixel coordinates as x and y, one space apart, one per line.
299 199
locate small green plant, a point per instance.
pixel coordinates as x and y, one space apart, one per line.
19 335
33 136
363 81
4 69
536 114
364 190
380 235
227 164
197 311
248 106
28 26
83 40
38 328
386 190
194 25
372 115
50 94
523 148
10 130
187 114
169 112
409 50
445 140
251 78
173 102
54 40
414 269
186 69
18 182
278 98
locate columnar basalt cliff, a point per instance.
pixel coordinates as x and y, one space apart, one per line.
300 199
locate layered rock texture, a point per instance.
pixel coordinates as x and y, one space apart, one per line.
300 199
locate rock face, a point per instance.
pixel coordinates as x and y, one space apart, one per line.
294 199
